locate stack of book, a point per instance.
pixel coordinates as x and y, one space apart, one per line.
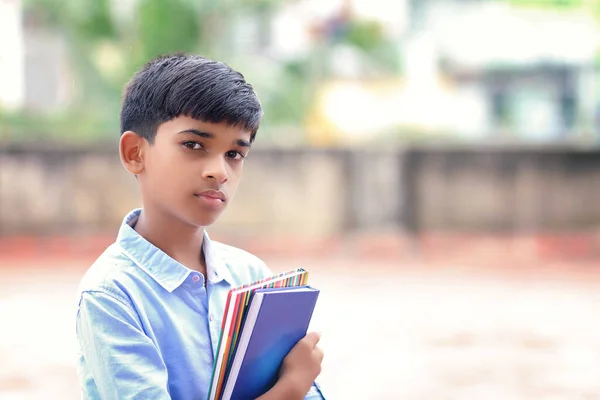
262 322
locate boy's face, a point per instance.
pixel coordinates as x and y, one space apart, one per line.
191 171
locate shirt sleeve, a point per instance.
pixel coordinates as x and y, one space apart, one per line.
315 393
122 360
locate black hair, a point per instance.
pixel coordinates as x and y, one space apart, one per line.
179 84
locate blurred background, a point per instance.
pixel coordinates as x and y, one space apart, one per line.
435 165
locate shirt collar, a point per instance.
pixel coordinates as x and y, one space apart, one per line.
166 271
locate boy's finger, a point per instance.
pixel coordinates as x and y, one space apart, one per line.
319 354
312 339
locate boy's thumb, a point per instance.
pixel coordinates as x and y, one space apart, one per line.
313 338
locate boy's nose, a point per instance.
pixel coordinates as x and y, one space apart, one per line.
216 170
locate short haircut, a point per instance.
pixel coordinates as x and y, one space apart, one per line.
178 84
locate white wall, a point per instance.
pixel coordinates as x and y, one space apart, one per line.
12 80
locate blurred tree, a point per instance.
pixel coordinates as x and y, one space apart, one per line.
592 6
108 43
368 38
548 3
91 19
164 26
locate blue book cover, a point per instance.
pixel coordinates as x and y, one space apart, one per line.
276 320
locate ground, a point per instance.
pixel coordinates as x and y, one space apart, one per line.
392 329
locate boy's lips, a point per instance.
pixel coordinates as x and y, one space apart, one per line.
214 198
213 194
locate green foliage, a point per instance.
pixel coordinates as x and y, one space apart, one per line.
106 48
291 103
592 6
556 4
70 126
165 26
365 35
91 20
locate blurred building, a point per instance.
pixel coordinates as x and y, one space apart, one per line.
34 64
532 70
469 68
12 80
475 69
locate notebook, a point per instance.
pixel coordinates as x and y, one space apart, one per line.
276 320
238 300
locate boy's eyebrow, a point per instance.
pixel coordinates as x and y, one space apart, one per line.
208 135
243 143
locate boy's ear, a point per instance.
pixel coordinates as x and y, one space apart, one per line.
131 150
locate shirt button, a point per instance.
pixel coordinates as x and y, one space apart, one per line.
210 317
195 278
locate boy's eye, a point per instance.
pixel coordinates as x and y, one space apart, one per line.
192 145
235 155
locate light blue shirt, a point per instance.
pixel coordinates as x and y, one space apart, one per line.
147 326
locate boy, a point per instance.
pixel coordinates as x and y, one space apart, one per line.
150 307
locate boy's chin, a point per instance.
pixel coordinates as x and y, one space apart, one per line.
202 220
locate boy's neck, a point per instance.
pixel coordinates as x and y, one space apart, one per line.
180 241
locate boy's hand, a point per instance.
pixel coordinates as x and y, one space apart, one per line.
303 363
299 370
